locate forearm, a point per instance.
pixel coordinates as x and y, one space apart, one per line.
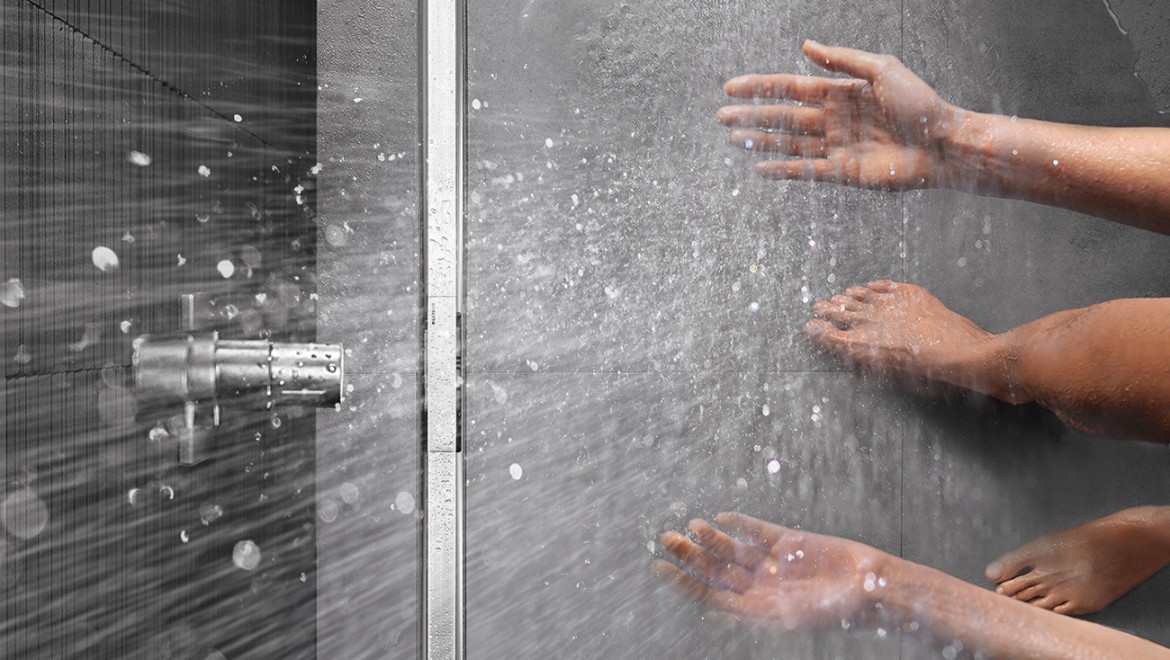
950 610
1115 173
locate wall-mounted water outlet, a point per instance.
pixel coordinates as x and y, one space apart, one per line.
203 372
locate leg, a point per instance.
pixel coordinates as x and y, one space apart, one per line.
1102 369
1081 570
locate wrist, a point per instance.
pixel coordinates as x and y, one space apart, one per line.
966 149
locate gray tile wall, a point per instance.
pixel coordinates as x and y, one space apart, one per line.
615 244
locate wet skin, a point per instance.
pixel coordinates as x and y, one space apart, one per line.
1102 369
789 579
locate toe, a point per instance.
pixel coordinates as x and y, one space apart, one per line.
1038 590
1007 566
1065 608
882 286
1048 602
1016 585
823 333
847 303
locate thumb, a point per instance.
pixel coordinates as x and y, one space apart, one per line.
856 63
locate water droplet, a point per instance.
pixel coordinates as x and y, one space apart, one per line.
516 471
166 492
13 293
404 502
138 158
548 143
104 258
766 410
204 171
475 104
1055 163
773 466
226 268
328 510
24 514
246 555
349 493
238 118
184 537
754 307
209 513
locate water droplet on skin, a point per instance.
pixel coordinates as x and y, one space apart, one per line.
548 143
516 471
1055 163
766 410
475 104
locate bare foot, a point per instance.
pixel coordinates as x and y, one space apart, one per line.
900 329
1083 569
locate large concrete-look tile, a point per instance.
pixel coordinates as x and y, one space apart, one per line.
998 475
572 478
610 227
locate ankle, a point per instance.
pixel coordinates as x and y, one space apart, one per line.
1153 522
991 365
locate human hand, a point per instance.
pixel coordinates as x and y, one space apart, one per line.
882 128
774 574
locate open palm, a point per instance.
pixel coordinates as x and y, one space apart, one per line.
771 573
882 128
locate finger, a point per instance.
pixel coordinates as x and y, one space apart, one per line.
882 286
755 529
783 143
795 118
859 293
836 313
856 63
806 89
711 569
725 547
818 169
694 589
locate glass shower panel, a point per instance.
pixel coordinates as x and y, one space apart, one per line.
369 502
634 301
258 163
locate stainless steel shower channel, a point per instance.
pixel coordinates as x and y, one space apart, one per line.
442 97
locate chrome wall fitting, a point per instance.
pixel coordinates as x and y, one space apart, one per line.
203 372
